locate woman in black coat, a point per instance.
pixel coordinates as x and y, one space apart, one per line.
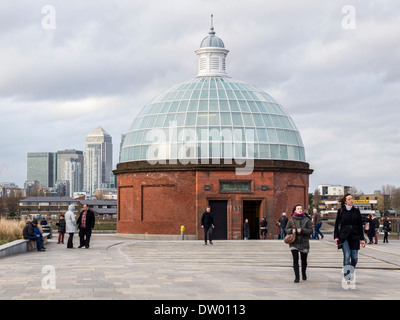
349 234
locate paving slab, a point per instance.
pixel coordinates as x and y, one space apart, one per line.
118 268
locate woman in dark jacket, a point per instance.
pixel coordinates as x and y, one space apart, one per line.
302 228
349 234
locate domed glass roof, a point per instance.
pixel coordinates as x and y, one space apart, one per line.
213 117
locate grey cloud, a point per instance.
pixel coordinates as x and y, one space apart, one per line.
105 60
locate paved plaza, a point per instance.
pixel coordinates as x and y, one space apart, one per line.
117 267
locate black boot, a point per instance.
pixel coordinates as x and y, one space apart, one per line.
303 272
296 274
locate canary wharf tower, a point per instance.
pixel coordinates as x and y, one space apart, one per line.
210 141
97 160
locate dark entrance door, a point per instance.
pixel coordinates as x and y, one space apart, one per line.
219 211
251 211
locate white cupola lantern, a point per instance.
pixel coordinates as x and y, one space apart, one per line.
212 55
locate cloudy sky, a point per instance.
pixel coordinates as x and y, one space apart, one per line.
69 66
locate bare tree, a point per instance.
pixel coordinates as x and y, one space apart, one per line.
3 207
388 192
316 200
355 191
99 194
388 189
396 199
11 203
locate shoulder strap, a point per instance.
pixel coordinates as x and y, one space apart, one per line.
293 223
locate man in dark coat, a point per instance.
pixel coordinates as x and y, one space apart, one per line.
85 224
28 234
246 229
207 223
283 220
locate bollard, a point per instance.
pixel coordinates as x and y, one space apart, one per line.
182 232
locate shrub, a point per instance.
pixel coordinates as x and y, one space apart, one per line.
11 229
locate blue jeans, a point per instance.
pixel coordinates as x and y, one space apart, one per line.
317 232
350 258
38 242
283 233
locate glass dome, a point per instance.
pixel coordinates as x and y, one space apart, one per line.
212 117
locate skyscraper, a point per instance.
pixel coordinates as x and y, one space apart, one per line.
97 160
70 168
42 166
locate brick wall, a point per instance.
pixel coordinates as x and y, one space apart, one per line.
159 201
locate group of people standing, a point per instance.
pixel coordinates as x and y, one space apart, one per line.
66 224
371 228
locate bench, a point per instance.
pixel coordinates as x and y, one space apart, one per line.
31 244
19 246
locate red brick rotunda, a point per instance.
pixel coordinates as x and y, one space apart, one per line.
211 141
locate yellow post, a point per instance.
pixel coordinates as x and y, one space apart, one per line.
183 232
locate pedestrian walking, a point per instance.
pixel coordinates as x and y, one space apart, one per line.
370 228
348 234
61 229
317 224
207 223
70 225
85 224
264 228
283 220
300 225
386 228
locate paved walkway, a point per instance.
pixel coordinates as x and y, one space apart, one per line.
117 267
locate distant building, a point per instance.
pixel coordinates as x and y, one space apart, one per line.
8 189
48 207
53 207
97 160
102 208
70 168
42 166
327 190
366 203
52 169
